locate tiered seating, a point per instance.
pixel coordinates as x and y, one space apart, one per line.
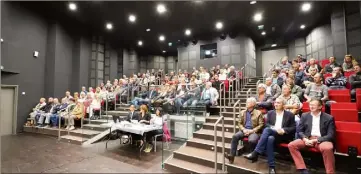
344 112
348 134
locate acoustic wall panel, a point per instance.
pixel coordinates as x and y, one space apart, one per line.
236 59
329 51
225 50
192 55
354 37
235 49
321 43
226 60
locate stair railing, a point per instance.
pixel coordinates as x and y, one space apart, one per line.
221 118
230 90
243 77
248 92
264 77
234 114
222 90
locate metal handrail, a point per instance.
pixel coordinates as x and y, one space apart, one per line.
234 115
258 82
215 144
264 77
220 97
248 91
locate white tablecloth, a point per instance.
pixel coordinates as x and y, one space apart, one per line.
134 128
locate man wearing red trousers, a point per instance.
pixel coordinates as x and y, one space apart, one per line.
317 129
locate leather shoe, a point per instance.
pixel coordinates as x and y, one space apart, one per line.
272 171
229 157
253 156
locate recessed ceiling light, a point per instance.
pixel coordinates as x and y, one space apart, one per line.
178 40
187 32
302 26
198 1
161 38
109 26
164 51
257 17
148 29
170 44
140 43
273 45
132 18
263 33
72 6
161 8
306 7
219 25
253 2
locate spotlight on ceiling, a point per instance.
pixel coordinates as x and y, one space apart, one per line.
148 29
187 32
257 17
161 38
72 6
140 43
161 8
253 2
164 51
219 25
302 26
109 26
273 45
132 18
223 36
170 44
263 33
306 7
194 41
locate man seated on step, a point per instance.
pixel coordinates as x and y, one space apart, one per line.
264 100
44 112
37 108
209 96
54 118
280 127
64 115
272 89
76 113
193 96
250 125
317 129
48 115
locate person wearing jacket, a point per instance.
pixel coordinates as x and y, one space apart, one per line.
45 112
272 89
337 81
355 80
209 96
333 64
264 100
276 79
193 96
54 118
37 108
76 113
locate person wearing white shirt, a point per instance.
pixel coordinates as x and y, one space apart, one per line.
280 127
156 121
317 130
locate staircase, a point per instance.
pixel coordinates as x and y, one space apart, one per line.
197 154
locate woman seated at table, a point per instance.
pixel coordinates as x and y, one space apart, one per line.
157 121
144 118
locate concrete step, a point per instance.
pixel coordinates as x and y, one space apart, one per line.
118 113
100 121
207 134
227 128
208 144
227 120
96 127
85 133
73 139
180 166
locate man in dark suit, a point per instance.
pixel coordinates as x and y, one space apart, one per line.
148 96
132 115
250 125
280 127
317 129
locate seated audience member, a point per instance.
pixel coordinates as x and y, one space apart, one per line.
54 118
76 95
316 89
91 92
144 118
76 113
285 64
296 90
280 127
313 65
337 80
45 112
226 68
209 96
156 121
333 64
276 79
283 74
301 61
317 129
272 89
217 70
355 80
348 63
108 85
103 93
264 101
95 105
82 97
163 92
180 98
110 98
216 82
83 89
250 125
223 75
232 73
37 108
193 96
66 114
299 75
309 79
67 96
204 75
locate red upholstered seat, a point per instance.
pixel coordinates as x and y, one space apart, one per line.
348 74
344 112
358 99
324 62
342 95
348 134
226 84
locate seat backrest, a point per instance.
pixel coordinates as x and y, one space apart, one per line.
348 126
339 92
349 73
344 106
324 62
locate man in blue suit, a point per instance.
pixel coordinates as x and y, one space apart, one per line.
280 127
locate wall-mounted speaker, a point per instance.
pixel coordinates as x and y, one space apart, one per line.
194 42
233 34
185 44
223 37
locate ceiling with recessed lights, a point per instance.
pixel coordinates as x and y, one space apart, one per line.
160 27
